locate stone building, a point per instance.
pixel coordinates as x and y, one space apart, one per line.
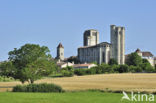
97 53
146 55
60 52
92 51
91 37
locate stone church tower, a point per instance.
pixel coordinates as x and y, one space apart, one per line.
91 37
118 43
60 52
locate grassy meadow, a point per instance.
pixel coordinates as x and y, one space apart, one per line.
69 97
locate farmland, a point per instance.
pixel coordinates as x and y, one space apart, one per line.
127 82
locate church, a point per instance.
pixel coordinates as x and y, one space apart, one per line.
93 51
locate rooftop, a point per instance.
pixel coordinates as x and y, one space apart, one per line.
60 45
138 50
147 54
102 43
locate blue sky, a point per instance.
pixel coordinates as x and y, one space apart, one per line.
48 22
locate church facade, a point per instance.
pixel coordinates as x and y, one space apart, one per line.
93 51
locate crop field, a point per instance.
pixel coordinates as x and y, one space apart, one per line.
127 82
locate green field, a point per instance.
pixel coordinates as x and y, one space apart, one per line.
68 97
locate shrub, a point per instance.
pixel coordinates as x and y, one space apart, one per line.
91 70
105 68
135 69
38 88
80 72
123 69
6 79
146 66
112 62
67 72
115 68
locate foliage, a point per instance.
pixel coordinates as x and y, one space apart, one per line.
38 88
105 68
91 70
6 79
123 69
7 69
80 72
135 69
112 62
134 59
31 62
146 66
68 71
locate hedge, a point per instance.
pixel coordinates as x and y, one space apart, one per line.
38 88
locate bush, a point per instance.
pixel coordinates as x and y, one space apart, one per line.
91 70
105 68
112 62
123 69
135 69
38 88
6 79
80 72
67 72
115 68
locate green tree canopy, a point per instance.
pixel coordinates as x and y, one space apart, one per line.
112 62
31 62
146 66
134 59
7 69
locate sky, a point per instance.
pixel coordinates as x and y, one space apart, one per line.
49 22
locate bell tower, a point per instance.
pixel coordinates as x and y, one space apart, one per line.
60 52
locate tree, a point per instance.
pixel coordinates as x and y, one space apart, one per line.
7 69
112 62
104 68
135 69
146 66
31 62
123 69
134 59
